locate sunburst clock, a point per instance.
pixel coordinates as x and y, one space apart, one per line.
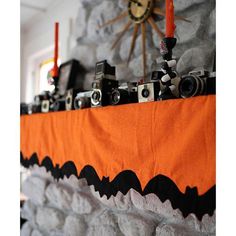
139 12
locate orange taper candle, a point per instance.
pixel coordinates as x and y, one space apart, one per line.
55 66
170 24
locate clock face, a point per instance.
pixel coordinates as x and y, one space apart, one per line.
139 10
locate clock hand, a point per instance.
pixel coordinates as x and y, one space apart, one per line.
137 3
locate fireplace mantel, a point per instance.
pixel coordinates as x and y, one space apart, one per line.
166 148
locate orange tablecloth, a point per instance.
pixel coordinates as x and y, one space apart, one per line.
175 138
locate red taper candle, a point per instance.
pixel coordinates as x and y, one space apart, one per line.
56 38
170 17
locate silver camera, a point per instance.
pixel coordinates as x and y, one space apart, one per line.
82 100
148 92
69 98
197 83
45 106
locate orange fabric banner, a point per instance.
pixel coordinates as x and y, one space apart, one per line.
175 138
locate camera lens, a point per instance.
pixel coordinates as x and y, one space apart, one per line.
115 97
68 100
96 96
78 103
145 93
190 86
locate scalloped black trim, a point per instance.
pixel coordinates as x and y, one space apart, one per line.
162 186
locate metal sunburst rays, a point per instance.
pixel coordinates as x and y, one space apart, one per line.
137 24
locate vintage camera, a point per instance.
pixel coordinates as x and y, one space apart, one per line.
105 82
104 70
82 100
71 75
45 106
148 92
43 96
69 98
156 90
59 105
23 108
102 90
119 96
197 83
124 95
34 108
42 102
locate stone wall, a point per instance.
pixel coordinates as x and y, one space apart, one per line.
195 40
72 208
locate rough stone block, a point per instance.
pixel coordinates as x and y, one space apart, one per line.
28 211
136 65
123 202
123 72
26 229
183 4
73 182
208 224
81 21
36 233
137 199
104 52
98 18
74 226
135 225
34 188
58 196
187 31
105 230
57 233
49 218
81 203
41 172
192 222
198 57
86 54
212 24
104 217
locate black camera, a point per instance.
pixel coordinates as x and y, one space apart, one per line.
102 90
104 70
125 94
119 96
69 98
24 109
105 82
34 108
71 75
43 102
59 105
197 83
45 106
45 95
82 100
